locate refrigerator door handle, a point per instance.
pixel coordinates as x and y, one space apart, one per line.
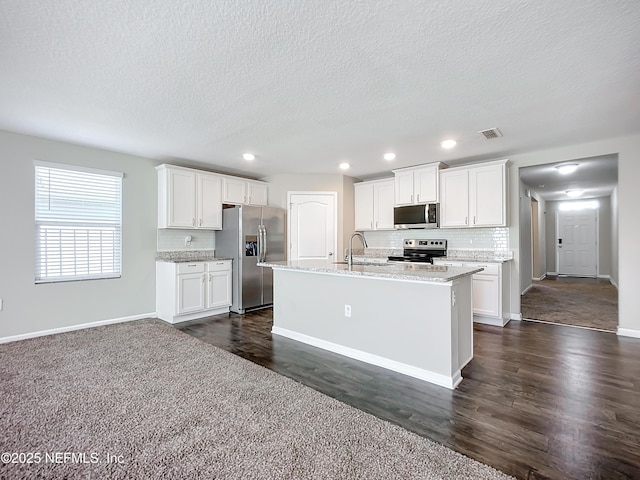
264 243
260 243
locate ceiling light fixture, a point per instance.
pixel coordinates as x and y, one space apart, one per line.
248 156
567 168
344 166
389 156
449 143
574 193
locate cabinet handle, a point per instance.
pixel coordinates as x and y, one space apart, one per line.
371 223
465 221
249 198
200 222
376 223
210 276
412 198
418 198
192 265
474 219
203 277
193 222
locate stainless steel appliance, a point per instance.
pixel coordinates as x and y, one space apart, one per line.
417 216
251 235
421 251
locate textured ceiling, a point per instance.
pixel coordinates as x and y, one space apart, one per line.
597 176
306 85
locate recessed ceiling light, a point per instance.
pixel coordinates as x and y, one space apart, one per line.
567 168
574 193
248 156
344 166
389 156
449 143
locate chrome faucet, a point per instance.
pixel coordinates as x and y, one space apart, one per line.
350 256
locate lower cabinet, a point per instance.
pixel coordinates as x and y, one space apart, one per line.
189 290
490 291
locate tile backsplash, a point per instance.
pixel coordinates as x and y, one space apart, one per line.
170 239
457 238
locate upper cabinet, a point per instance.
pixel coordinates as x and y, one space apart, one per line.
192 199
241 191
374 202
188 199
419 184
474 196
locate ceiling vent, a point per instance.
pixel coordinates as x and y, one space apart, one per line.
490 133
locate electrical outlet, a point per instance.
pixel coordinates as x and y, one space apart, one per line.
187 241
347 310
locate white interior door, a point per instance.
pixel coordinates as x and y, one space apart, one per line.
576 243
312 225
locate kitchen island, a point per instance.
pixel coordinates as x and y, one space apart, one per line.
413 319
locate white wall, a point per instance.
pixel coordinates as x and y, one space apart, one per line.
524 205
280 184
628 150
614 236
31 308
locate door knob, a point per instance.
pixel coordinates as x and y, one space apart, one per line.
330 254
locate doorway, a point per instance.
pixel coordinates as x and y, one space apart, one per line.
568 255
312 226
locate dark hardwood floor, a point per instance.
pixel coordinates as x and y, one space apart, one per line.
537 400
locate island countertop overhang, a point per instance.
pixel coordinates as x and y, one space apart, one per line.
405 272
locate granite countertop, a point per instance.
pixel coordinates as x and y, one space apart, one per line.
426 273
181 256
489 256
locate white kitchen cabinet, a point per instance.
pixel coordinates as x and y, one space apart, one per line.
257 193
189 290
244 192
474 196
188 199
490 291
374 202
414 185
218 284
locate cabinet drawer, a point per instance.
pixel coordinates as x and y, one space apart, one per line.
218 266
190 267
489 268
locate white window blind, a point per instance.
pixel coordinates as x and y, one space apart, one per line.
78 217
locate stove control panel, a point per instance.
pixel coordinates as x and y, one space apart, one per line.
425 244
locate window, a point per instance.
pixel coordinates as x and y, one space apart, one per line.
78 220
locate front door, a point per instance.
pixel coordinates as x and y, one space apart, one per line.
312 225
576 243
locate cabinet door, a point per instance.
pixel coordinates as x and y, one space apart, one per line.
363 195
191 292
425 185
209 202
404 188
383 203
219 289
182 199
486 295
234 191
257 194
487 196
454 198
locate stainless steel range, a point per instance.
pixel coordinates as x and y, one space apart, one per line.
421 251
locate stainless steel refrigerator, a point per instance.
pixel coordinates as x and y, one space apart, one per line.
250 235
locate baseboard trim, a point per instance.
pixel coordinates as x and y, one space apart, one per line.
628 332
516 316
538 279
613 282
552 273
53 331
415 372
604 276
527 289
496 322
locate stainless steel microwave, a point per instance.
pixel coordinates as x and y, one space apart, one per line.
417 216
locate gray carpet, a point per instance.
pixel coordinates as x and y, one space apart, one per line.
576 302
161 404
